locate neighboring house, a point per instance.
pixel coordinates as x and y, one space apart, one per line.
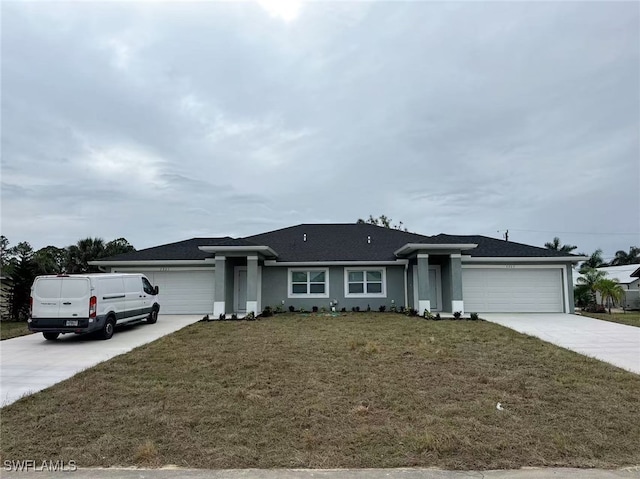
349 265
6 289
631 284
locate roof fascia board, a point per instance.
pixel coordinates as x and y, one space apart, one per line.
265 250
409 247
523 259
399 262
150 262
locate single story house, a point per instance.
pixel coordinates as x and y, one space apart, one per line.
353 265
624 275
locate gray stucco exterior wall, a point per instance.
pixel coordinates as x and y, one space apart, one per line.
275 283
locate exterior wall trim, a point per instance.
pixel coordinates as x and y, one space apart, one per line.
153 262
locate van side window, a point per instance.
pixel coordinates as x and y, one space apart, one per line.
147 286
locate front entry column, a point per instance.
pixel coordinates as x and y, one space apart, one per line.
219 306
424 296
252 284
457 304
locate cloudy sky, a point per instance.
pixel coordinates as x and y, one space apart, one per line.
163 121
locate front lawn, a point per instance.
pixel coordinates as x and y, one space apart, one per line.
13 329
359 390
632 318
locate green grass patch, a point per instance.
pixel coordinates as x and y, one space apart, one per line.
13 329
631 318
359 390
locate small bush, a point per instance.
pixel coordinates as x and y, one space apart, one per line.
267 312
411 312
382 308
343 310
403 310
437 318
428 314
368 308
457 315
474 316
393 308
357 309
314 309
302 310
278 310
323 309
234 317
251 316
222 317
291 309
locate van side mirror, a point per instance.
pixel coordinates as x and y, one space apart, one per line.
156 290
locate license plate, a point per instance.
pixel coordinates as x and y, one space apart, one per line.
71 322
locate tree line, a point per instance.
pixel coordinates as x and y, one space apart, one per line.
595 259
20 264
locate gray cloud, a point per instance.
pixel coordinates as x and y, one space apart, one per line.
162 121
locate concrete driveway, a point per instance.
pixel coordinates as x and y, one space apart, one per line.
30 363
614 343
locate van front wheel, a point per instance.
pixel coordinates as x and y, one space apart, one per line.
107 330
51 336
153 316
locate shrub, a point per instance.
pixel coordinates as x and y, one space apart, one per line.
357 309
382 308
251 316
267 312
314 309
302 310
402 309
368 308
411 312
291 309
437 318
278 310
457 314
323 309
428 314
222 317
343 310
474 316
234 317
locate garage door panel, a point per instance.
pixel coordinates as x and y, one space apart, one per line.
184 292
528 290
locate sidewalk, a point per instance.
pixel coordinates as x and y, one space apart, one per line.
414 473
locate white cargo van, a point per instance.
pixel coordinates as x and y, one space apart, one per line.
86 303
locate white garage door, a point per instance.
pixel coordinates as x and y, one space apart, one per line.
517 290
184 292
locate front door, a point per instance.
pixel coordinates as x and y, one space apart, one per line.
240 290
435 289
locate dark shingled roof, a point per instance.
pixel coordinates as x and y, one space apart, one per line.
335 242
497 247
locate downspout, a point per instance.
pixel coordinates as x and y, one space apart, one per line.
406 291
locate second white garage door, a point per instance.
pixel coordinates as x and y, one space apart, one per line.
184 292
517 290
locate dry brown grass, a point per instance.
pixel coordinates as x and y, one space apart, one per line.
13 329
362 390
631 318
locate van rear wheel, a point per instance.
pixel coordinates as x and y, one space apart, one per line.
51 336
153 316
107 330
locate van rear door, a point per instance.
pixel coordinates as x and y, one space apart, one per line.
46 298
74 298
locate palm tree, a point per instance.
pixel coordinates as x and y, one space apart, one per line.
555 245
590 278
610 291
622 257
595 261
80 254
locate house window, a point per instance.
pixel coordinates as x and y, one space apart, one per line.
361 282
309 283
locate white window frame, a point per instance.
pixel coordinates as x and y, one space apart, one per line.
293 295
347 294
